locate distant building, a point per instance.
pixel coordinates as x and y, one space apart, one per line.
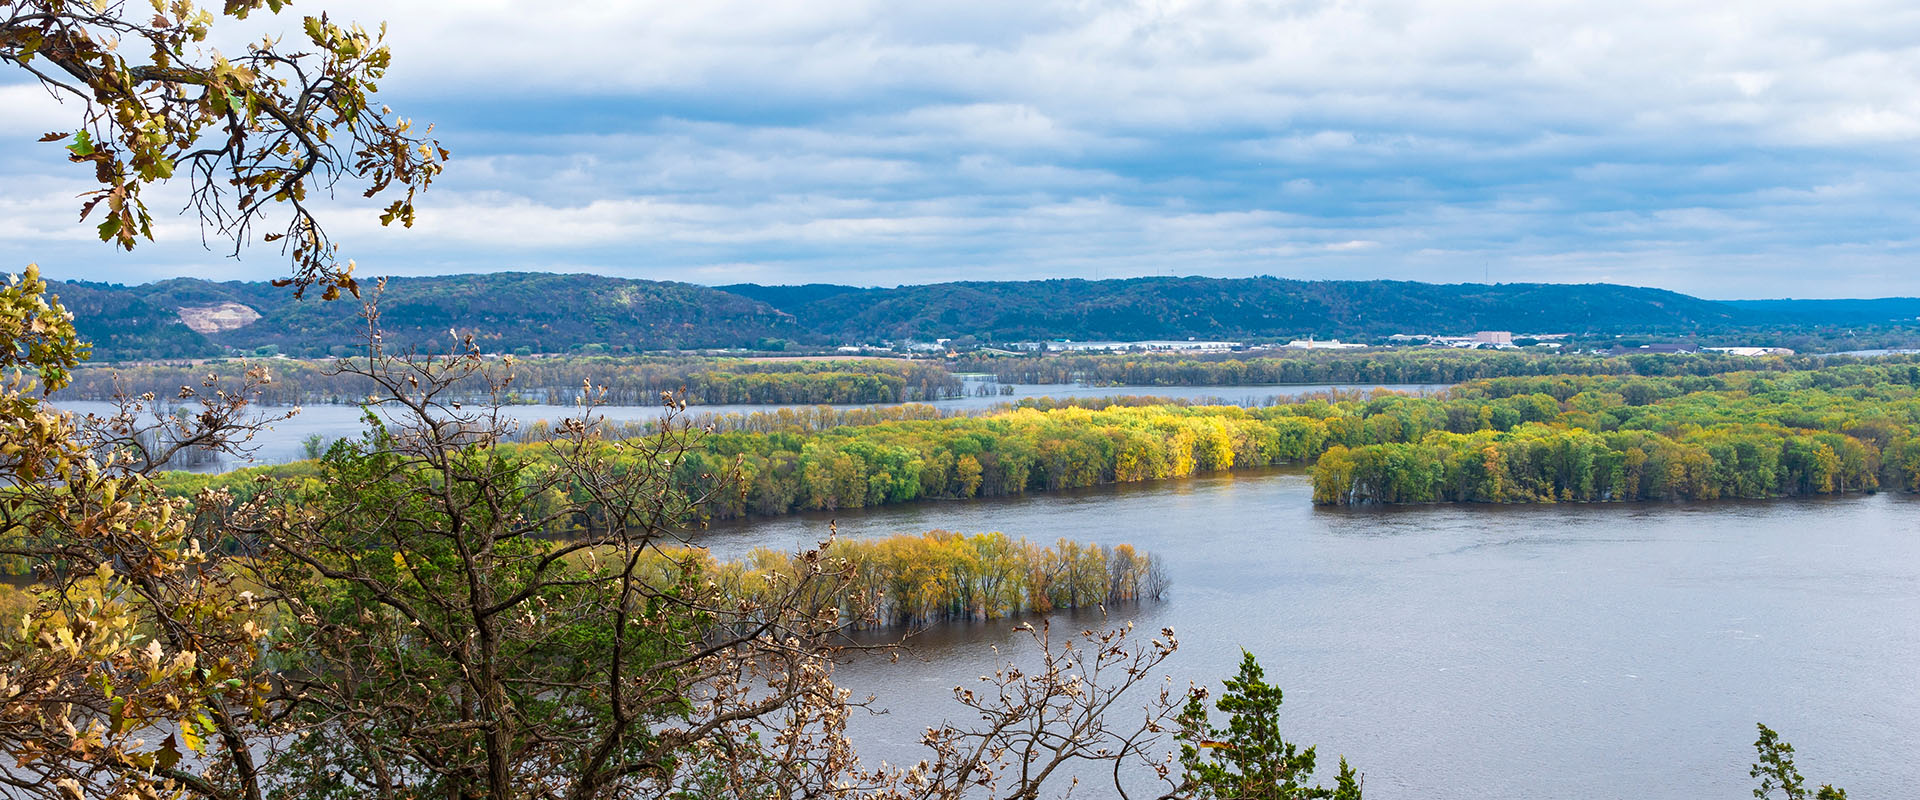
1480 340
1311 343
1751 351
1154 345
1657 349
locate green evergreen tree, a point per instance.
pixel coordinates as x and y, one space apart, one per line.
1776 771
1249 759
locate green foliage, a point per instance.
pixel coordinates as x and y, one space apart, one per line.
91 665
1170 308
506 311
382 613
1249 759
1832 430
619 381
36 335
1776 771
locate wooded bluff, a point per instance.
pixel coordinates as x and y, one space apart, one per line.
547 313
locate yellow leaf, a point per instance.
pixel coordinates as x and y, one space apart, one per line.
189 737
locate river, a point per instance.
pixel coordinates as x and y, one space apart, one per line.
1568 651
286 440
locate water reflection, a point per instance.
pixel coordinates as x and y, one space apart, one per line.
1473 651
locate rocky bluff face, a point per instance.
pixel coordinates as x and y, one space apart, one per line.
217 318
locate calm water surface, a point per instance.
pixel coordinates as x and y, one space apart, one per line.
1481 652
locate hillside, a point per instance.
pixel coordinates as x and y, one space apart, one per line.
505 311
784 297
548 313
1162 308
122 325
1878 311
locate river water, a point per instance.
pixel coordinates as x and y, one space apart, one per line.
1569 651
285 441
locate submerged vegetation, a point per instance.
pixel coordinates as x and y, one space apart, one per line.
940 576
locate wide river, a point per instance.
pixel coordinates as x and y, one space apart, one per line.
1569 651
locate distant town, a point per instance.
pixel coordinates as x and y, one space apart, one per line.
1477 340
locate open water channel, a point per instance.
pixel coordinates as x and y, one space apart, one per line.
1569 651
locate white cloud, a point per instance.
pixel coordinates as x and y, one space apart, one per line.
870 142
27 111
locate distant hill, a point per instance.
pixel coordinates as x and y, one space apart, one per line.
1163 308
790 296
506 311
1835 312
123 325
543 312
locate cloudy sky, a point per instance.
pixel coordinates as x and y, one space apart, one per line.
1735 149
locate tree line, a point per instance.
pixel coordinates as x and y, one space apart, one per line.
617 381
1423 365
1742 435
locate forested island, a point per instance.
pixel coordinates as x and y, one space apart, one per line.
557 381
1751 434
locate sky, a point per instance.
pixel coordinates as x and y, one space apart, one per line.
1723 149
